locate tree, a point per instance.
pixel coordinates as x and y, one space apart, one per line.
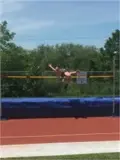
13 58
35 62
111 46
5 36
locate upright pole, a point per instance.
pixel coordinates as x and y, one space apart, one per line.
114 83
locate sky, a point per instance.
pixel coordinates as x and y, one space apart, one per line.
37 22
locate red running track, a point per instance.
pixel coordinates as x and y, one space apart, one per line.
59 130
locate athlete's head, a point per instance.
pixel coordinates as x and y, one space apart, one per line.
63 70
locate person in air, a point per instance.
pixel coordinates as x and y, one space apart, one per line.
64 75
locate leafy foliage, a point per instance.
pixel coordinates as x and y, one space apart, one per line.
71 56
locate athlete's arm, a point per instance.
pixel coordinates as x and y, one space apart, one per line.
52 67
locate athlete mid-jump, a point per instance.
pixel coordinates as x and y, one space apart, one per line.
62 73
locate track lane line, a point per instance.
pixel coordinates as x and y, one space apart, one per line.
59 135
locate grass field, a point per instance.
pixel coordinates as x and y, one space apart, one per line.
104 156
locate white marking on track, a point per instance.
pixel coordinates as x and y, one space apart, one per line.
59 135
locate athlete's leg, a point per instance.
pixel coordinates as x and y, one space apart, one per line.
65 82
74 72
66 86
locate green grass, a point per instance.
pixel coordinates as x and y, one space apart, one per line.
104 156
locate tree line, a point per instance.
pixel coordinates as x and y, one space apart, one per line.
16 60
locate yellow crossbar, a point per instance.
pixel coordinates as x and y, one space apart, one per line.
49 77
